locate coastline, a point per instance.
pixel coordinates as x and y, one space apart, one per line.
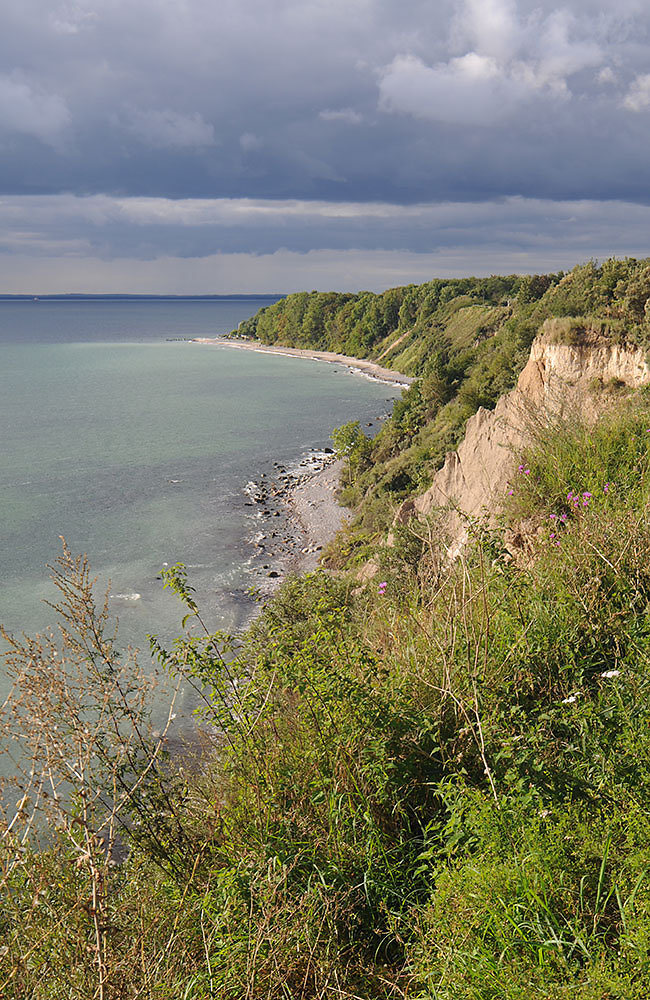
368 368
296 515
294 508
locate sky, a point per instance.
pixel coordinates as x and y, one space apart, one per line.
216 146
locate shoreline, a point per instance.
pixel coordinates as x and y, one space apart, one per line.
297 515
368 368
294 508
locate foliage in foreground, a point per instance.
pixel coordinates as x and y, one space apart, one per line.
437 787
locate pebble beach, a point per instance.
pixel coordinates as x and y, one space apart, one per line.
296 514
295 508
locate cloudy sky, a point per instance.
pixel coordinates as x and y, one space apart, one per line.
194 146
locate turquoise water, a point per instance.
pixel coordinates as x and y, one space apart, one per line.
137 450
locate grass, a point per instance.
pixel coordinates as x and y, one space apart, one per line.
434 786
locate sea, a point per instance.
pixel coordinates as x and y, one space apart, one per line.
135 445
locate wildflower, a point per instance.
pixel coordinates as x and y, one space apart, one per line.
552 517
544 813
526 472
610 673
587 496
563 518
520 469
552 534
606 488
510 492
382 588
570 700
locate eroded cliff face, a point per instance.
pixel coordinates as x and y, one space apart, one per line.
558 380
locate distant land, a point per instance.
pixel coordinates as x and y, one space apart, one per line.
118 295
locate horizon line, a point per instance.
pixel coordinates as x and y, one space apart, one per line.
37 296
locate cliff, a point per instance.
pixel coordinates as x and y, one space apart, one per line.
558 380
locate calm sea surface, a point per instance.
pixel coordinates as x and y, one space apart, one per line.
137 449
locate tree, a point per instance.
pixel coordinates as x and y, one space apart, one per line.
352 445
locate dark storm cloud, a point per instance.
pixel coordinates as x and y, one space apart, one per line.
147 228
187 128
357 99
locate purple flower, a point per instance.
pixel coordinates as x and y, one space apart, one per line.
382 588
552 516
606 488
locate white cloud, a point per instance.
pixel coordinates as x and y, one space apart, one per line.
556 56
505 62
606 75
638 96
27 110
167 129
250 142
70 18
347 115
469 90
490 26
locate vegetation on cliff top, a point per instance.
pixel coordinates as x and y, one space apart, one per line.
466 340
404 327
435 787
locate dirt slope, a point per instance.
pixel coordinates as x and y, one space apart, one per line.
558 379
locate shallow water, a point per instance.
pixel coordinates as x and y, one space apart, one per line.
138 450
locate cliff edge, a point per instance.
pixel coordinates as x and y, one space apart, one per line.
559 379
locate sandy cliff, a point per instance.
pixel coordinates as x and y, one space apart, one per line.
558 379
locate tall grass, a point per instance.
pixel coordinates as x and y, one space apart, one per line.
436 786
